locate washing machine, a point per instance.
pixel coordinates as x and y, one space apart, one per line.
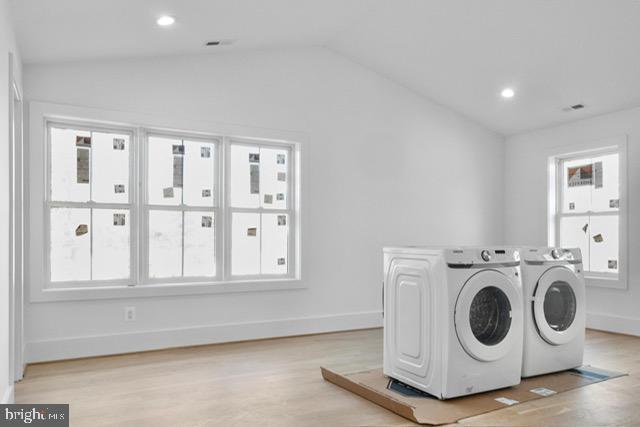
554 310
453 319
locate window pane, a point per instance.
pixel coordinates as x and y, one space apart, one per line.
245 243
245 176
577 184
199 244
110 253
604 244
110 163
273 178
606 194
199 172
70 165
165 244
574 233
165 175
274 259
70 244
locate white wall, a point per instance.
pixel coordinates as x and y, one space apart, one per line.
526 205
385 167
7 45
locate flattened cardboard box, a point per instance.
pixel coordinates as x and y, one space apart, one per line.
424 409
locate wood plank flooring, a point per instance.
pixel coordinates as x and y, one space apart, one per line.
277 383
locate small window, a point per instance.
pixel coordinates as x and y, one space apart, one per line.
588 214
181 207
89 204
260 209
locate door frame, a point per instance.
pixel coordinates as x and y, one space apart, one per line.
16 225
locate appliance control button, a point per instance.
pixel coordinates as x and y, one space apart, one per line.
485 255
555 254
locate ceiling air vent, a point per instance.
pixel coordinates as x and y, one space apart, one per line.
574 107
218 43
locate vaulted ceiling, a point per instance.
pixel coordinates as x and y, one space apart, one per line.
459 53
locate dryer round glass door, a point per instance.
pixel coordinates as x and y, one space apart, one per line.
557 301
488 315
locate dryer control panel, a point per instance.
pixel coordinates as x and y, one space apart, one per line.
549 255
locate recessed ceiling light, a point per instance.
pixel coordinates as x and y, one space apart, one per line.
507 93
166 20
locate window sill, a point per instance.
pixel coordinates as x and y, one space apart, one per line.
605 282
165 289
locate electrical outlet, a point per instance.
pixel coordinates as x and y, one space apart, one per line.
129 314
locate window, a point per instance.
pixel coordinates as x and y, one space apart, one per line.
260 209
181 207
89 205
210 208
588 211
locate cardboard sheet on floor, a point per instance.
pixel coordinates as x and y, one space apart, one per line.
425 409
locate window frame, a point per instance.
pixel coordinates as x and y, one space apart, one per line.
131 205
556 195
39 288
289 209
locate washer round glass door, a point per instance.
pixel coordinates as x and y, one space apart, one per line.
488 315
557 301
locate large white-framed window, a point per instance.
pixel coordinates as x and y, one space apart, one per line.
131 208
90 214
589 211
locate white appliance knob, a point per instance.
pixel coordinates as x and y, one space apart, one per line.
485 255
555 254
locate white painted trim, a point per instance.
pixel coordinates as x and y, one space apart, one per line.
100 345
617 324
9 396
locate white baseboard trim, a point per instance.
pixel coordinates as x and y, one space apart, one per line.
609 323
101 345
9 396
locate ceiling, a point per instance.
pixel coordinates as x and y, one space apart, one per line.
459 53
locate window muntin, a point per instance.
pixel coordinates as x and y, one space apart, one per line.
588 218
260 183
89 204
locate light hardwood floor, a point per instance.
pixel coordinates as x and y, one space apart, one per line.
277 383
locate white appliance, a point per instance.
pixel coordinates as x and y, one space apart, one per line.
554 310
453 319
